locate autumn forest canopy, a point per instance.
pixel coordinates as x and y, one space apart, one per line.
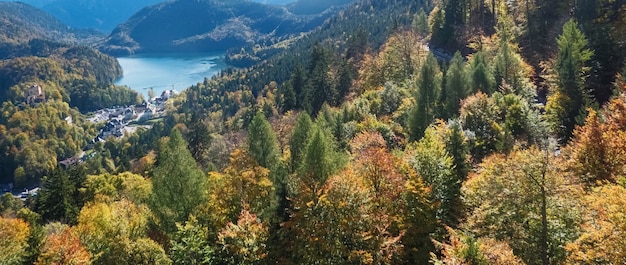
397 132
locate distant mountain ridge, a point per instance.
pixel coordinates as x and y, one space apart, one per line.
20 23
35 3
102 15
206 25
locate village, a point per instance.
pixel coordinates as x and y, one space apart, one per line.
118 122
125 120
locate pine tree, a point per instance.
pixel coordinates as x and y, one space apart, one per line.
178 183
456 86
567 106
429 88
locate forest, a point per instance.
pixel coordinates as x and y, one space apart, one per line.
398 132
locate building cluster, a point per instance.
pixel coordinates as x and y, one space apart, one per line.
35 95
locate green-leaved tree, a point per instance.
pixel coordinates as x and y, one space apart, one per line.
178 183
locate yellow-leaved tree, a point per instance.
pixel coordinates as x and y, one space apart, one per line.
13 240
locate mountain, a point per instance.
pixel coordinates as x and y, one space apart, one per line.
35 3
307 7
274 2
102 15
205 25
20 23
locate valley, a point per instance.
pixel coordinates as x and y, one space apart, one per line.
313 132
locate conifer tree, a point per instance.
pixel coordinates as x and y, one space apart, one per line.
456 86
481 77
287 99
319 89
59 199
299 139
344 83
199 141
262 142
420 23
320 160
429 88
263 147
178 183
567 106
298 83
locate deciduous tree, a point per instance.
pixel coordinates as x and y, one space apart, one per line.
14 235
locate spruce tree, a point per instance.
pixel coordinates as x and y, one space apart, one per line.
319 88
288 99
199 138
344 83
298 83
456 86
481 77
567 107
178 183
58 198
429 88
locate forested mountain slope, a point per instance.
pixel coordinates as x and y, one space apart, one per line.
102 15
398 132
207 25
20 23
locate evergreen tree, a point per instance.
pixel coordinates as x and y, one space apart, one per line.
298 83
456 86
263 147
59 198
320 160
262 142
481 77
199 138
178 183
319 89
429 88
345 81
299 139
420 23
454 16
357 45
288 99
507 64
567 106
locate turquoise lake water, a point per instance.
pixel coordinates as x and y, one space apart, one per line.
168 71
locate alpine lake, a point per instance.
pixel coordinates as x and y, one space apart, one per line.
161 72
